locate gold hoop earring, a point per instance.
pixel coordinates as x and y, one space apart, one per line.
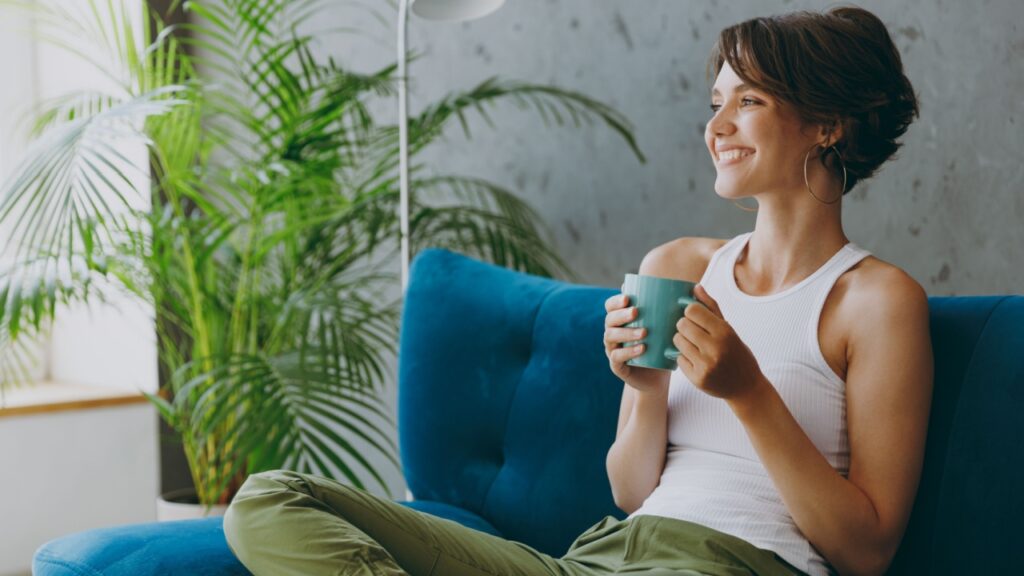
808 184
742 207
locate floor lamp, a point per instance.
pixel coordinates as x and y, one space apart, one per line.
441 10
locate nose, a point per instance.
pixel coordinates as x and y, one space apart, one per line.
721 122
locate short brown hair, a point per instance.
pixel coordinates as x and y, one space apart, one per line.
836 66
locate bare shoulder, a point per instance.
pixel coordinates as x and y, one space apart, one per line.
684 258
875 294
875 282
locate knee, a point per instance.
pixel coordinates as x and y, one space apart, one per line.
249 522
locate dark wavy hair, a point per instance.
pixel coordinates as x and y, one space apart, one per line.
840 66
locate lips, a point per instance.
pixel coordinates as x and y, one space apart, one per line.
734 156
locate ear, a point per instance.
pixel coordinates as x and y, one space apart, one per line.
829 133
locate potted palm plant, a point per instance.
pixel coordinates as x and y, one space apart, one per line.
270 226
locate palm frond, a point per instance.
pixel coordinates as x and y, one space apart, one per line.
18 357
71 107
74 175
32 289
428 125
294 398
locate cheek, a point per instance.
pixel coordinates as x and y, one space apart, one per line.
784 151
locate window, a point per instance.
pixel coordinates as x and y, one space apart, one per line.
113 345
17 99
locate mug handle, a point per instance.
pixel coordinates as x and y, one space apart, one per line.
672 353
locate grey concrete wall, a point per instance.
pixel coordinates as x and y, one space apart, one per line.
949 210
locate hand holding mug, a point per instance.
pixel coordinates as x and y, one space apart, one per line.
619 313
712 355
660 303
638 338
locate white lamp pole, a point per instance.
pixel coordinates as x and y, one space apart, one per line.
442 10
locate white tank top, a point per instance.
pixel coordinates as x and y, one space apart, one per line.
712 474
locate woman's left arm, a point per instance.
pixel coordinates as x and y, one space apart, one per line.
856 522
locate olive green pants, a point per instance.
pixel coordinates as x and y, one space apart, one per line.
284 523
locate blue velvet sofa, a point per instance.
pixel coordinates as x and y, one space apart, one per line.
507 408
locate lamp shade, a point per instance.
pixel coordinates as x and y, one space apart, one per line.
454 10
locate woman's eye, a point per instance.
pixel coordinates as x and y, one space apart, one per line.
745 101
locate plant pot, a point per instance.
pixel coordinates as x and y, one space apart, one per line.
184 505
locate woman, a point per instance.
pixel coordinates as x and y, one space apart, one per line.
797 418
791 437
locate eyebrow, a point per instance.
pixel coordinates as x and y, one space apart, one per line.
742 87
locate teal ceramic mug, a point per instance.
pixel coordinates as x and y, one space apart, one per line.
660 304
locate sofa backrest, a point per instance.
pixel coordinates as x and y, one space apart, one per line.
507 408
506 405
969 509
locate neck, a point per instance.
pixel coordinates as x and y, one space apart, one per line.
793 237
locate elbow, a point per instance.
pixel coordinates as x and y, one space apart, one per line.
866 549
881 560
627 505
862 565
873 561
622 499
628 501
875 566
868 567
880 557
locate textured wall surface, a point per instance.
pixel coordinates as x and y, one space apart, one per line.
948 210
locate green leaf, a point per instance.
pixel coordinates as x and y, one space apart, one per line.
267 239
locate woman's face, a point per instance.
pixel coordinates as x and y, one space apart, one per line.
756 142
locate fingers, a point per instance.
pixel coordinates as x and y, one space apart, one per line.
620 317
620 355
692 333
698 315
684 363
685 346
615 302
615 336
698 319
688 353
704 298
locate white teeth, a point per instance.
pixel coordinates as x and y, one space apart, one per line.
734 154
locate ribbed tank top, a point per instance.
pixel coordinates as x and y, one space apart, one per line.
712 474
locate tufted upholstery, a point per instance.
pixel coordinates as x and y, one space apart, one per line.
507 409
507 406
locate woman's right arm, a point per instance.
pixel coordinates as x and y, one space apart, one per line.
637 457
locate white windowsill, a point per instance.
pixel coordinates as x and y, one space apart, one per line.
44 397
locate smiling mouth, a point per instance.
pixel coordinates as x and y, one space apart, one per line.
729 158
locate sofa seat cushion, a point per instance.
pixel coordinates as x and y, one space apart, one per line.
178 548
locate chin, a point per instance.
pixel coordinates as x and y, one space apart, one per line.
730 191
